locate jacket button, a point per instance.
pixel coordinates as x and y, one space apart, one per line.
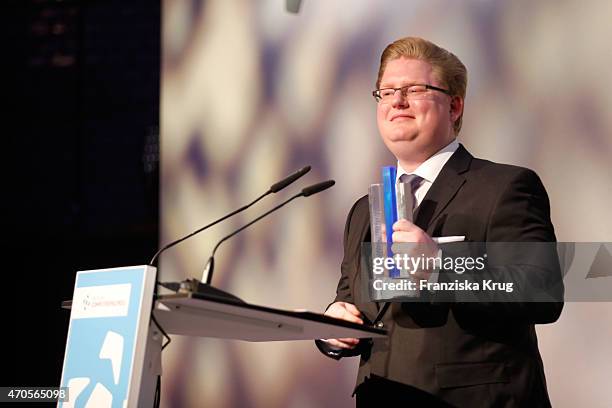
380 325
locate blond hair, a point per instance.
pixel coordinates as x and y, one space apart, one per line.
446 66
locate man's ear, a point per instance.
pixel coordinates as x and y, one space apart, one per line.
456 108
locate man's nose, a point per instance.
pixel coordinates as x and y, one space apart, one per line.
399 99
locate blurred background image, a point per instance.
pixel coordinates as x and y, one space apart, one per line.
250 93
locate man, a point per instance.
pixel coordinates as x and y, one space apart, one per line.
444 353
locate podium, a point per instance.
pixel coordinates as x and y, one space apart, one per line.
111 319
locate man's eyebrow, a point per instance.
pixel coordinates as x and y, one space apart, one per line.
384 85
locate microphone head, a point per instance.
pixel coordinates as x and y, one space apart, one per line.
276 187
208 270
317 188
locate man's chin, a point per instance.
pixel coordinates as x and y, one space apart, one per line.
402 137
400 147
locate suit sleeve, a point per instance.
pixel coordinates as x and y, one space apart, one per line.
344 291
520 228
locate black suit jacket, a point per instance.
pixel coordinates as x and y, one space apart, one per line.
466 354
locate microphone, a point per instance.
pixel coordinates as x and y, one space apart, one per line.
317 188
306 192
274 188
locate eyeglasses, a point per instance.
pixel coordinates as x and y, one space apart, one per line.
410 92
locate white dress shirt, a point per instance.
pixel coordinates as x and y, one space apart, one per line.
429 169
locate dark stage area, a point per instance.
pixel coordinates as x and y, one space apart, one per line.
80 172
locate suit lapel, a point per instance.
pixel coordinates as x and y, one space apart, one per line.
444 188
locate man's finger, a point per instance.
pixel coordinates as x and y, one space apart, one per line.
351 318
404 236
352 309
339 344
403 225
350 341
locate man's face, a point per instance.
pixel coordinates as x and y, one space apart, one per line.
413 130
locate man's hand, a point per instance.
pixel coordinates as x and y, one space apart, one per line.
344 311
405 231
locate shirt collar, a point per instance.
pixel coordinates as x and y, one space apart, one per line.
431 167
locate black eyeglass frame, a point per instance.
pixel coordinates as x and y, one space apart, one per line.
378 97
